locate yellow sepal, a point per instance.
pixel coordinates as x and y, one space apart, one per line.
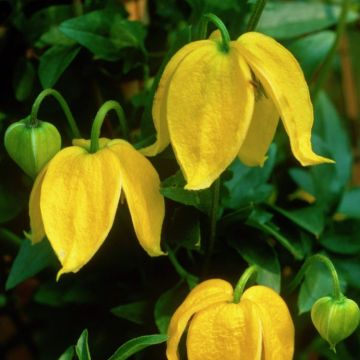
207 293
277 326
283 80
205 111
141 185
78 202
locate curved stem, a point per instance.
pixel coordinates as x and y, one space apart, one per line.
99 119
240 286
337 294
256 14
221 27
33 119
326 67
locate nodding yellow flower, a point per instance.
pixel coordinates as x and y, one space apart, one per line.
214 104
74 200
258 327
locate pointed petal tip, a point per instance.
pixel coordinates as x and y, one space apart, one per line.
318 160
156 252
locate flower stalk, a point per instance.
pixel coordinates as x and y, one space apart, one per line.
240 286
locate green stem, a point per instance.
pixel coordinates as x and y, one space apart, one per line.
213 222
240 286
99 119
326 67
10 237
282 240
220 25
256 14
330 266
33 119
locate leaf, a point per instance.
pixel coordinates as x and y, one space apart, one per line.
82 347
173 188
350 204
54 62
166 305
311 218
303 49
30 260
24 79
291 19
258 252
134 312
105 33
135 345
68 354
249 184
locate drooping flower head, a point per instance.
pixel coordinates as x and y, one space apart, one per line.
74 200
214 104
258 327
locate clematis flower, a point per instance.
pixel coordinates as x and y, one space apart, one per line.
258 327
75 197
214 104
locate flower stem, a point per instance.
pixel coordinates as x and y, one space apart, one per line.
99 119
325 69
33 119
240 286
337 294
256 14
220 25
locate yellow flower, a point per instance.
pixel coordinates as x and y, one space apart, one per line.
75 197
213 105
258 327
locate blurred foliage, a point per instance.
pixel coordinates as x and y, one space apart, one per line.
275 216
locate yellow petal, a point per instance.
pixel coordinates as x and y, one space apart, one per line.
225 332
261 132
159 109
79 197
210 104
284 82
277 326
36 222
141 185
207 293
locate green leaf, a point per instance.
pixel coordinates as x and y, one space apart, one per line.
30 260
317 283
342 238
166 305
54 62
68 354
133 346
349 204
24 79
258 252
82 347
311 218
134 312
105 33
249 184
303 49
290 19
173 188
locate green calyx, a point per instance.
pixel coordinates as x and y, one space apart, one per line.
335 319
32 145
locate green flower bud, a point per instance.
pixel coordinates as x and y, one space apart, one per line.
334 319
32 146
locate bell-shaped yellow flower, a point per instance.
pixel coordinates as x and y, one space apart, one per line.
214 104
259 327
75 197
